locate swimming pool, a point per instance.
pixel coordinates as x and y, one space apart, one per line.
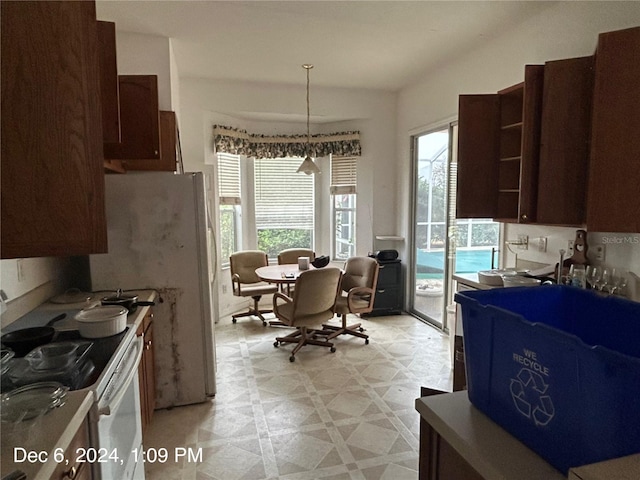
431 264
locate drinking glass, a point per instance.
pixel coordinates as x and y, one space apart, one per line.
578 276
613 281
593 276
620 283
605 278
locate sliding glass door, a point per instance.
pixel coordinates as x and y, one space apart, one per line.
430 224
441 244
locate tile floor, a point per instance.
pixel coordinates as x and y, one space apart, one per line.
343 415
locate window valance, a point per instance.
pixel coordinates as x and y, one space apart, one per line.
240 142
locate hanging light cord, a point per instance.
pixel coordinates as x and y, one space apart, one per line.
308 67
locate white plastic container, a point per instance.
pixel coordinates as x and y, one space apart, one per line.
303 263
519 281
101 321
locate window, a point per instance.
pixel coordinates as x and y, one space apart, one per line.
230 204
284 205
343 206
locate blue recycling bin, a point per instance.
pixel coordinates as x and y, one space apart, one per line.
558 367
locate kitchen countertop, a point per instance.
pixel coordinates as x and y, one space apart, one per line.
623 468
50 432
491 451
471 280
57 428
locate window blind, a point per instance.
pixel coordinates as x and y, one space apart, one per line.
283 198
343 175
229 179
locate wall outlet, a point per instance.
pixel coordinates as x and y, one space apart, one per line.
224 289
523 242
570 248
598 252
542 244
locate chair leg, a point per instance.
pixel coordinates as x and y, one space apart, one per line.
302 337
344 329
255 311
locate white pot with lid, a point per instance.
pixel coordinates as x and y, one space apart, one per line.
101 321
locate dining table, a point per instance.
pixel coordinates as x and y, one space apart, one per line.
280 274
284 275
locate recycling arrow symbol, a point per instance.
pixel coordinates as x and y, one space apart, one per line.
528 391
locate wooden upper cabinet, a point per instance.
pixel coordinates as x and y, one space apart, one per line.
614 183
109 82
139 120
498 147
169 160
531 113
52 161
564 145
478 137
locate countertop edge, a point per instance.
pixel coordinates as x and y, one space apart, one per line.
471 280
71 415
490 450
67 436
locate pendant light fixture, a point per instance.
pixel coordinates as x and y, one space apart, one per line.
308 166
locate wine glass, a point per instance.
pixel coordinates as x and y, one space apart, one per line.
613 281
605 278
593 276
619 282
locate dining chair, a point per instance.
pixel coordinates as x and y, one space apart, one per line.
313 300
358 291
246 283
290 256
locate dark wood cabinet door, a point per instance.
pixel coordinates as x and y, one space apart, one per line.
109 82
564 146
168 147
149 370
478 150
52 177
531 120
139 120
613 203
146 371
73 469
142 383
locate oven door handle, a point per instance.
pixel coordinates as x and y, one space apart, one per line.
122 379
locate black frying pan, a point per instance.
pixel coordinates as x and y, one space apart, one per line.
130 302
24 340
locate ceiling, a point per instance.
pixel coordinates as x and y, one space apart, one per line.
353 44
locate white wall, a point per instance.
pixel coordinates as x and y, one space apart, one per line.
564 30
140 54
27 282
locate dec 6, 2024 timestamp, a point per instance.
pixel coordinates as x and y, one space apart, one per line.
104 455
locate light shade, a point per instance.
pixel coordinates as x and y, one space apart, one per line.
308 166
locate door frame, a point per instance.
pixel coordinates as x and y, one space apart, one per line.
449 255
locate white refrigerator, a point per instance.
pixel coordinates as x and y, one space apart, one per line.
160 237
